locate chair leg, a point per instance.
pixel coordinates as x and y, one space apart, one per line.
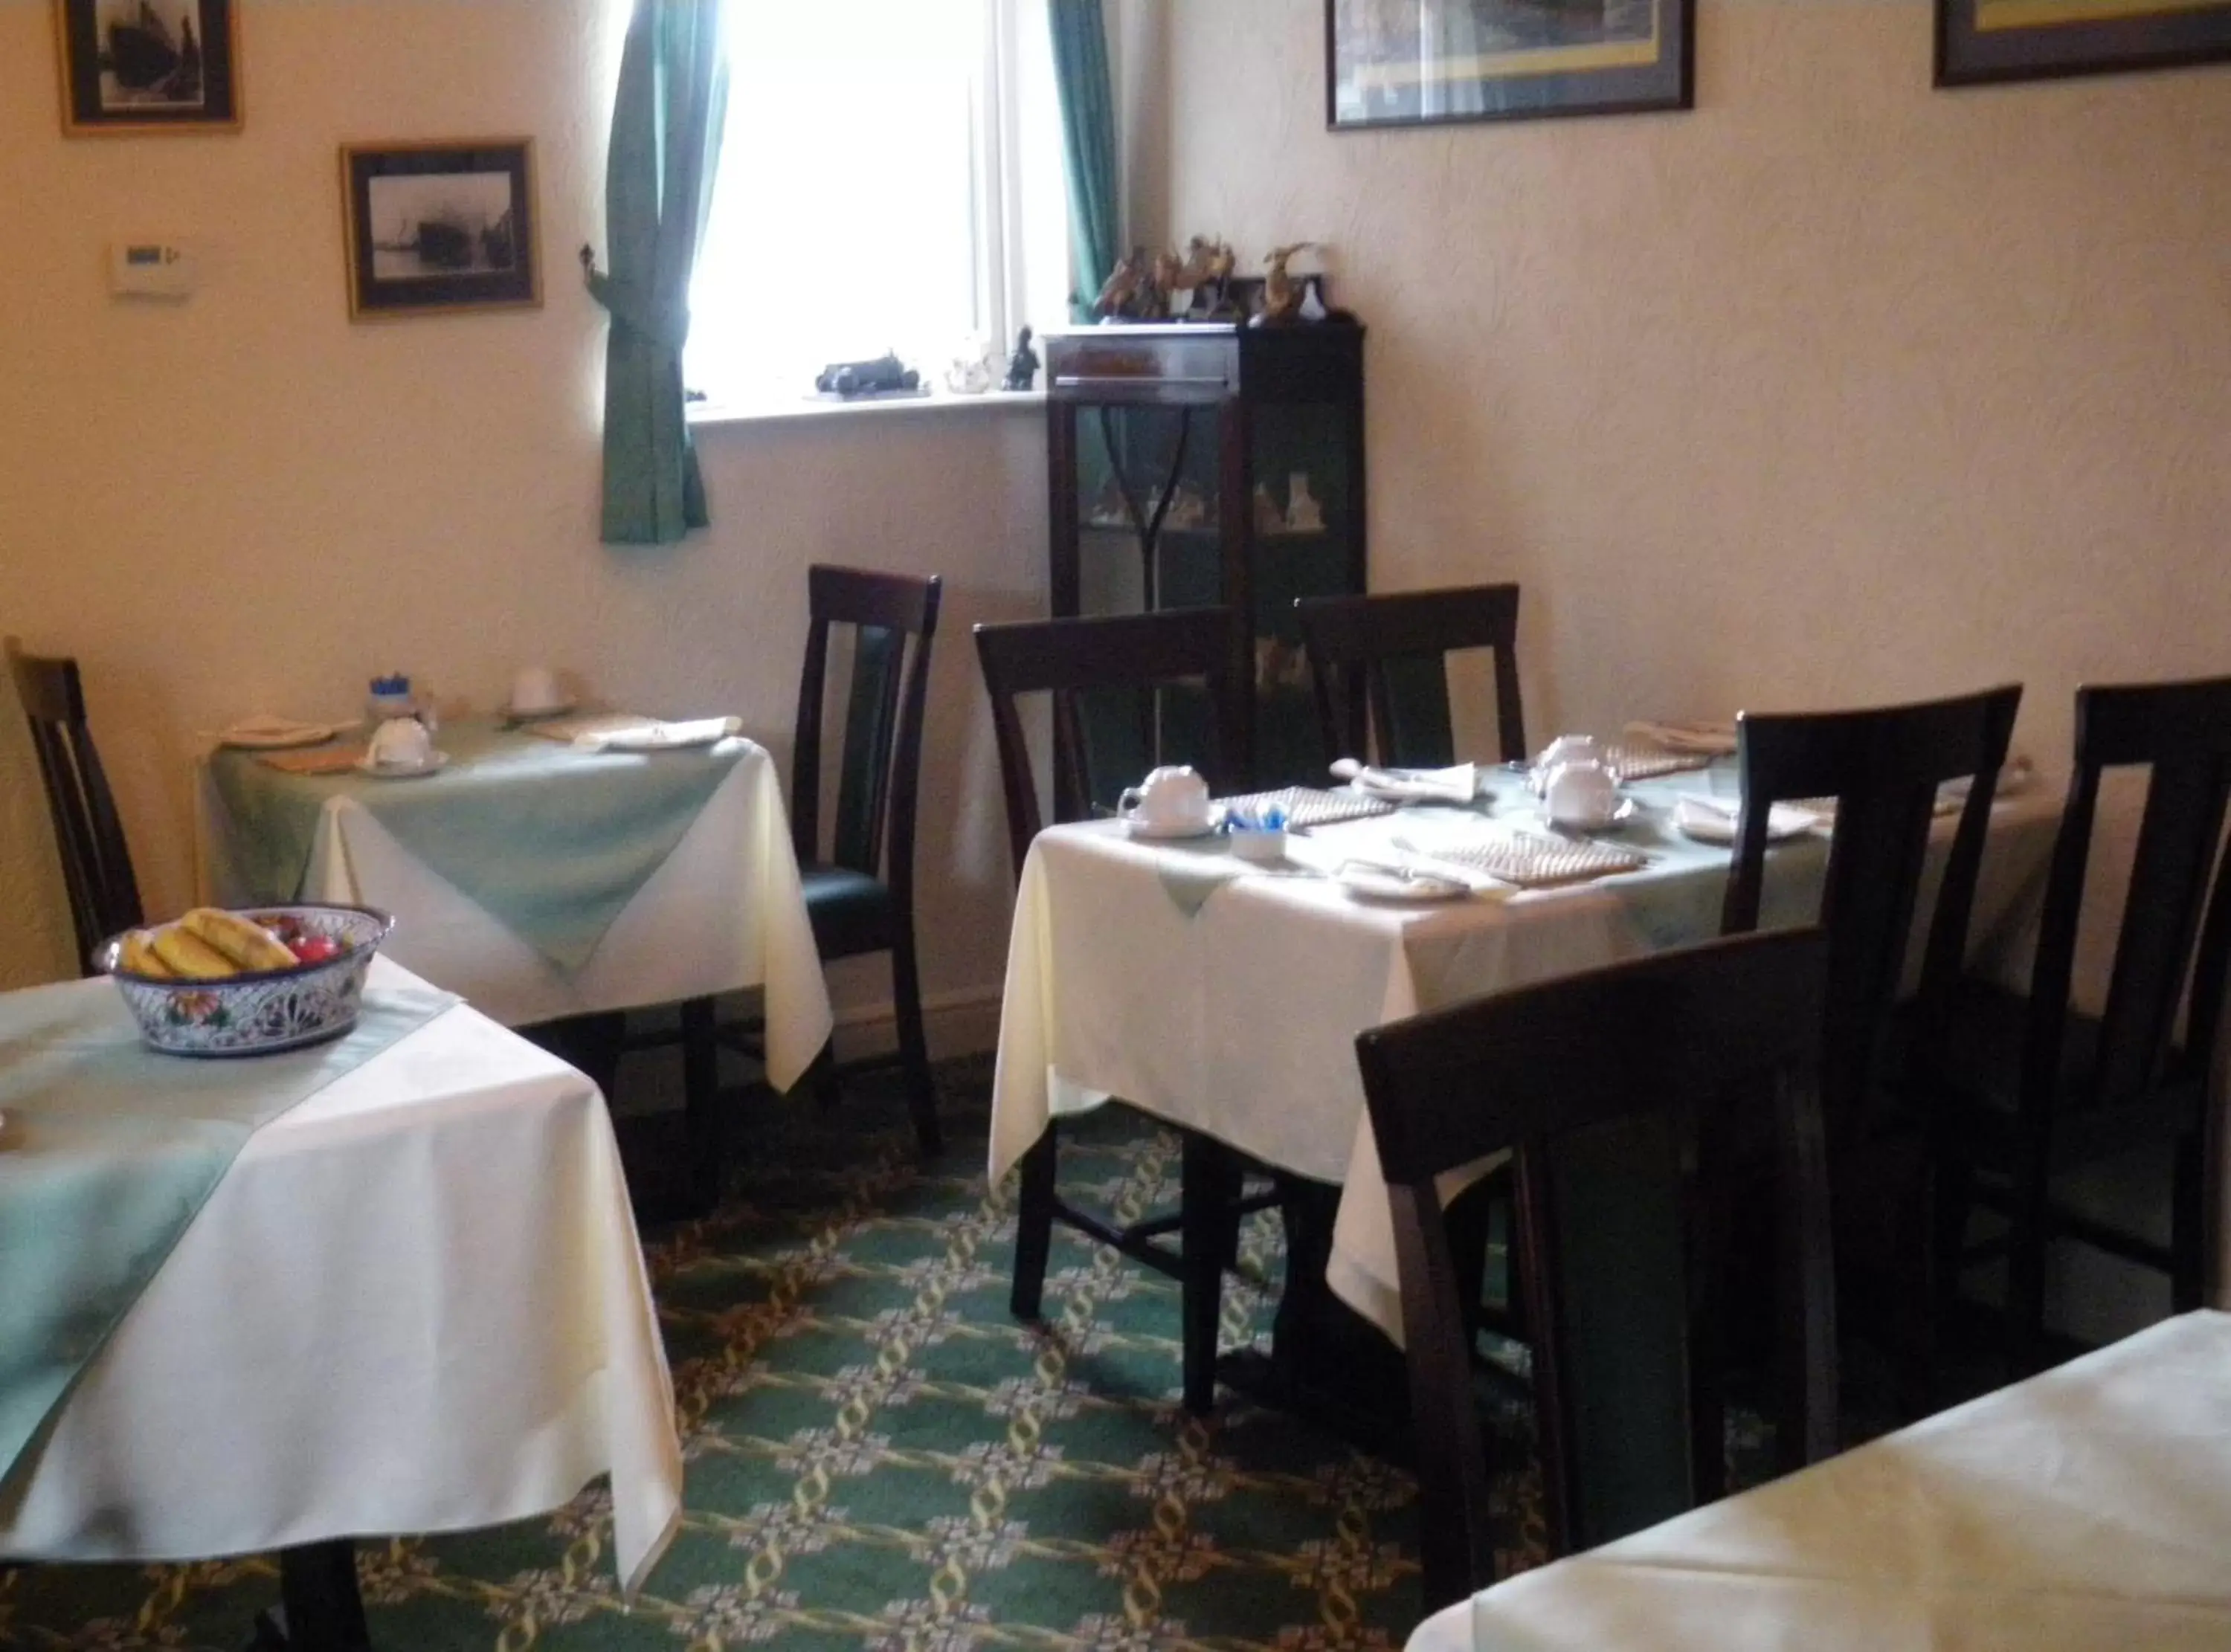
1209 1181
2188 1229
1952 1194
700 1086
1034 1225
2025 1275
914 1045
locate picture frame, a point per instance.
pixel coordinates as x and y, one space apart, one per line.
1983 41
441 228
1430 62
147 65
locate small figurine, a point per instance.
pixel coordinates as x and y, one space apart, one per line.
974 370
1304 513
1282 296
1023 365
1313 304
1188 508
1166 281
1269 518
1121 290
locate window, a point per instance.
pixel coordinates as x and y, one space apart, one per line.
890 178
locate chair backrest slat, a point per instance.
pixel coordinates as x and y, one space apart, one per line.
880 755
97 876
1884 768
1383 658
2176 918
1622 1093
1067 658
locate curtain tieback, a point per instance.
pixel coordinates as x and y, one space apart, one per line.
623 300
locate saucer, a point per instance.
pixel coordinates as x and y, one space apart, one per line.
435 764
1378 883
1622 812
276 734
1708 822
1154 833
515 715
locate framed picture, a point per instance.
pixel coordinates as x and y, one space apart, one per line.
2027 40
434 228
1418 63
148 66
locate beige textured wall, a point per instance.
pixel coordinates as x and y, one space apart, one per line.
247 503
1837 388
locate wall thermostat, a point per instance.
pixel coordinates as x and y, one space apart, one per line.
150 269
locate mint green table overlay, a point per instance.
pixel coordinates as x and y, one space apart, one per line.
108 1152
551 841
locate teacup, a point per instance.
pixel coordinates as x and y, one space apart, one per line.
401 743
1171 799
1581 794
534 690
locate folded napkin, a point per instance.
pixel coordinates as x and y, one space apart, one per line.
660 737
1457 785
1714 739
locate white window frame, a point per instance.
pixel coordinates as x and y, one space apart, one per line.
1010 291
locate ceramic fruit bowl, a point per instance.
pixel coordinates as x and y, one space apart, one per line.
258 1012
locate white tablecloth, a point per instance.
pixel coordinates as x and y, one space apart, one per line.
1240 1018
723 913
415 1303
2086 1509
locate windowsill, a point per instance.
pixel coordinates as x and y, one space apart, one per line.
938 404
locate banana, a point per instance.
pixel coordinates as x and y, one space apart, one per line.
138 957
249 945
189 957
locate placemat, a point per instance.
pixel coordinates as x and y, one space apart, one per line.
1306 806
1631 762
1533 862
323 759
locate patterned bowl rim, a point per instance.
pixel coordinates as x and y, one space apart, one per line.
105 955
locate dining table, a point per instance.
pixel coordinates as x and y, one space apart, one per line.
538 879
1224 996
401 1293
2088 1507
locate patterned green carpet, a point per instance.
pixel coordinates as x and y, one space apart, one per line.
879 1457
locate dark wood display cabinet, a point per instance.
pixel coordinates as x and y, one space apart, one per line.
1199 463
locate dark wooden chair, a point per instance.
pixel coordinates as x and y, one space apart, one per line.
2021 1091
1619 1093
104 895
1379 664
1067 658
1884 767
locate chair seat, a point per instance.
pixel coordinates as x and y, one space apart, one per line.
851 911
1977 1076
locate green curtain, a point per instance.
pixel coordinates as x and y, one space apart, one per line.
1087 121
666 146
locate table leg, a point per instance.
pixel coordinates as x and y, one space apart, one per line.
1327 1362
700 1086
320 1610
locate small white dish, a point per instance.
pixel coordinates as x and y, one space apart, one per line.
1180 833
274 734
1259 847
439 761
1708 821
1413 887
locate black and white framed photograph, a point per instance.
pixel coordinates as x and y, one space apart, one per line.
438 227
138 66
1420 62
